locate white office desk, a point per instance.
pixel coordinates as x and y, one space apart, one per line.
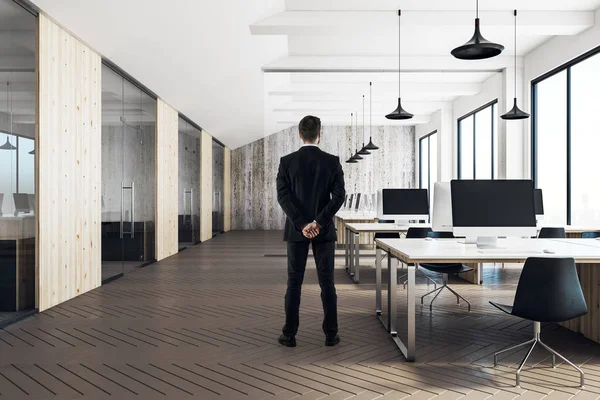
414 251
352 246
347 216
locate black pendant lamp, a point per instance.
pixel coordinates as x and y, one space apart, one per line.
515 113
399 113
32 152
371 146
351 160
478 48
364 151
8 145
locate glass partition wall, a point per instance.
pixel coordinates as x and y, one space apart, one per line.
128 175
218 216
18 92
189 184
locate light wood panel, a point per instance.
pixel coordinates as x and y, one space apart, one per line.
227 191
206 187
68 156
167 182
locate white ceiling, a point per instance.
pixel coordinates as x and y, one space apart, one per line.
245 69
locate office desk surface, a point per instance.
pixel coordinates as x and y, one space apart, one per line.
509 250
353 216
382 228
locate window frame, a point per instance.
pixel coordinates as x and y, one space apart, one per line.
534 125
421 139
474 113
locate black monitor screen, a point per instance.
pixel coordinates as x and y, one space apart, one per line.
351 201
493 203
405 202
539 202
357 201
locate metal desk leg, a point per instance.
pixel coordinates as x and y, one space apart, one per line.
357 259
480 273
351 254
392 296
346 251
378 281
408 349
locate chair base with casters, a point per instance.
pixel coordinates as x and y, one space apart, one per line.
532 343
445 270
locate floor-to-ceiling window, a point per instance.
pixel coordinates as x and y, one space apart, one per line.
565 141
476 143
128 175
189 183
428 158
218 170
18 94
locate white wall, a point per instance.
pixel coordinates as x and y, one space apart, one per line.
552 54
441 122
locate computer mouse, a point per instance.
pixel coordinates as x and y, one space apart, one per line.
428 238
547 251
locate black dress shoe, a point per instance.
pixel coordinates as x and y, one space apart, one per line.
287 341
332 341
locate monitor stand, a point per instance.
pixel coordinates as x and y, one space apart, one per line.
482 242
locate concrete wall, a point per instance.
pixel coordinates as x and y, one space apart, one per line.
254 169
128 157
189 170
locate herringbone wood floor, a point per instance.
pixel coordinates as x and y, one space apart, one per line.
204 324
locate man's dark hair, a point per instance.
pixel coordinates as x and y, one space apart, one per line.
309 128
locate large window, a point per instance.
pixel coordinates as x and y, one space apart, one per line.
565 141
428 156
18 108
476 143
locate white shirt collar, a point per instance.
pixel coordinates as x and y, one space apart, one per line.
310 144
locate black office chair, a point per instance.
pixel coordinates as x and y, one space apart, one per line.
441 235
590 235
418 233
548 291
445 269
552 233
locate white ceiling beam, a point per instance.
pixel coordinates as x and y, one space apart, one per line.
387 64
391 5
408 88
293 119
388 77
374 23
345 108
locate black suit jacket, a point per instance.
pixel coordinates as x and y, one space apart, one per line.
310 187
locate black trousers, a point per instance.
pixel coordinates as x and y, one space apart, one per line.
324 253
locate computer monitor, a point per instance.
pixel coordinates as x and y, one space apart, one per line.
539 202
403 204
21 203
357 202
441 217
31 198
483 210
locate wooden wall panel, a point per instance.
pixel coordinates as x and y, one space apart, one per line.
227 191
68 156
167 181
206 187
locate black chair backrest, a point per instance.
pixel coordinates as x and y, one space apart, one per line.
441 235
552 233
418 233
589 235
387 235
549 291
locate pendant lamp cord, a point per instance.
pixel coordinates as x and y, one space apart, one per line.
370 109
363 115
515 54
477 9
399 47
351 126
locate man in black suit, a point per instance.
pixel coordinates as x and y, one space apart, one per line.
310 190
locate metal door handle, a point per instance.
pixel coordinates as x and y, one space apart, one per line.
132 210
132 213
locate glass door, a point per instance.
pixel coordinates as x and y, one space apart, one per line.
128 176
189 184
218 220
113 193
